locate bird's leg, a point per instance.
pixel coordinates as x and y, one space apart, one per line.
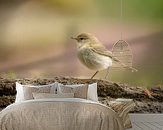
107 73
94 74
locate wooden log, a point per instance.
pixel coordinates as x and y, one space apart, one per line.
107 91
6 100
7 87
105 88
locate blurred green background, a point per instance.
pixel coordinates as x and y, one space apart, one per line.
35 37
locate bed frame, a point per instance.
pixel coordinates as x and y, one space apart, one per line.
146 121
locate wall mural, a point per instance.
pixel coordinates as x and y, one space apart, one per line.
116 43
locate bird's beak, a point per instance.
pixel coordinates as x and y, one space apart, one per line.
75 38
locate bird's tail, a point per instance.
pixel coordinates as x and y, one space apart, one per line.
124 65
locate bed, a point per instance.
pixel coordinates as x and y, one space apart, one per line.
37 110
59 114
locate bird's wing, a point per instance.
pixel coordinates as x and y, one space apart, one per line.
101 50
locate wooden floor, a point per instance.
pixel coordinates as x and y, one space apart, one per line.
146 121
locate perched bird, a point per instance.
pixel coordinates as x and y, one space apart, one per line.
93 54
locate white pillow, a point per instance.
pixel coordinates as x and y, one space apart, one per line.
20 93
50 95
92 90
79 91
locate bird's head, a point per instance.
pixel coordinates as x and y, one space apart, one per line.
85 39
